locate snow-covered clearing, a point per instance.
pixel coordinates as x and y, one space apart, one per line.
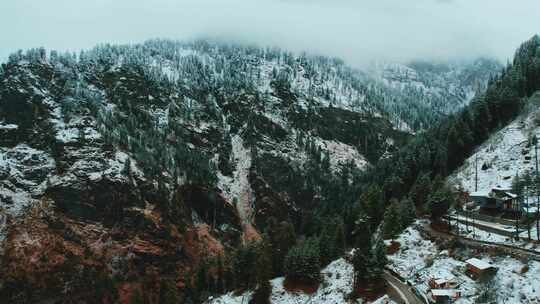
336 285
341 153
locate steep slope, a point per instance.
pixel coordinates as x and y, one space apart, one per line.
507 153
80 220
440 150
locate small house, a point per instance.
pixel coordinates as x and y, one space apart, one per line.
512 203
484 199
508 200
496 199
443 283
444 295
9 134
478 268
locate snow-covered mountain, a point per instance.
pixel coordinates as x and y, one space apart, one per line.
443 88
126 165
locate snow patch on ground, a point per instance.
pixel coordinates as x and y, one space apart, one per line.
22 168
234 187
237 189
336 284
341 153
478 234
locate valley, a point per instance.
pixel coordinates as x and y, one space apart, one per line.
211 172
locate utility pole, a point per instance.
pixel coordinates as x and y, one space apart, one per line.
535 140
527 216
466 219
476 173
457 223
517 208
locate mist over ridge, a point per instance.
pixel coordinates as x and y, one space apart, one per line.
357 32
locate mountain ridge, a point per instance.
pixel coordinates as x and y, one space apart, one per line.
128 156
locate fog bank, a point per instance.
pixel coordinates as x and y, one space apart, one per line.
357 31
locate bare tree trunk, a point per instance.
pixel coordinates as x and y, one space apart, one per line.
527 217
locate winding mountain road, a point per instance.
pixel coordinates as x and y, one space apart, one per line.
402 289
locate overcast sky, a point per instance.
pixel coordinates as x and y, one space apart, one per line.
358 31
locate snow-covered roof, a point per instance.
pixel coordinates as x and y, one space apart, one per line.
488 193
499 188
440 281
481 193
482 265
8 127
511 195
443 292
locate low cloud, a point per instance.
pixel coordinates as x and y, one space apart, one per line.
358 31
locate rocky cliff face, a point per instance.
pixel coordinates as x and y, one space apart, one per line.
81 222
122 168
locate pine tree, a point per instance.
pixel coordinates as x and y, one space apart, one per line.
201 287
371 202
127 168
82 137
420 190
264 271
362 234
169 293
327 244
440 200
339 237
360 264
379 257
244 265
137 297
407 212
282 238
302 262
392 221
188 292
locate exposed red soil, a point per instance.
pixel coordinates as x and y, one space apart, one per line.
198 239
440 227
46 249
370 290
250 233
393 248
292 285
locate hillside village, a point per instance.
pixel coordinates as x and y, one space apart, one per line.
485 249
493 224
